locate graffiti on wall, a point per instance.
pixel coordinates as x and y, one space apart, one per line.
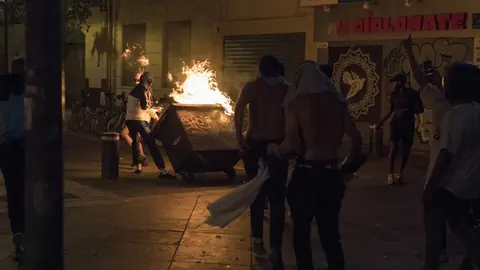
357 73
440 51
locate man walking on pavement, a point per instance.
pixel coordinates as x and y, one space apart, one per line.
453 182
405 103
433 97
266 124
317 117
12 153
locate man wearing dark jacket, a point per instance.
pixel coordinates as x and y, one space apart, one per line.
12 152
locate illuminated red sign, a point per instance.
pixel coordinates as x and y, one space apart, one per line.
415 23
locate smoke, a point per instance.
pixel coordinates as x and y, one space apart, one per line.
233 79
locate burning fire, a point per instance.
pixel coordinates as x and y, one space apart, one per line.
200 87
135 57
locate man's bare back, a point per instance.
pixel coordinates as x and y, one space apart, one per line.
315 127
266 115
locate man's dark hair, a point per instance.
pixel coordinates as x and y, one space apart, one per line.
400 79
281 69
146 78
269 66
16 78
327 70
462 81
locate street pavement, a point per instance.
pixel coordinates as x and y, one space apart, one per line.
140 222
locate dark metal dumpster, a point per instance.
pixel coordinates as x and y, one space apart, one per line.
197 139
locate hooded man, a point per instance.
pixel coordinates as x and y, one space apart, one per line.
266 124
317 117
405 103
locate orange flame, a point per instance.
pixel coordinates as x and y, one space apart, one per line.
200 87
135 57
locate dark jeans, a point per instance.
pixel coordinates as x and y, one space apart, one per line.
12 164
141 127
444 208
317 191
273 189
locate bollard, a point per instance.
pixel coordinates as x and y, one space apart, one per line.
110 156
376 141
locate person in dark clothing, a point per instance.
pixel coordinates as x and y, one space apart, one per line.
12 153
405 103
264 97
138 117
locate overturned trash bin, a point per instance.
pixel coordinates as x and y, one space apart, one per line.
198 139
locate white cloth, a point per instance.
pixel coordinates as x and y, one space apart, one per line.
229 207
460 133
434 99
311 80
135 112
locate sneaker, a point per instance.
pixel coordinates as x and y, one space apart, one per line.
258 248
166 175
18 247
138 170
398 179
391 179
276 260
143 161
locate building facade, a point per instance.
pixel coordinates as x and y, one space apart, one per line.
232 35
363 43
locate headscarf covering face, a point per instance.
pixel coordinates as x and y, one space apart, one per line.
310 80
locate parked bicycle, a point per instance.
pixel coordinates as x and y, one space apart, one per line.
115 123
94 120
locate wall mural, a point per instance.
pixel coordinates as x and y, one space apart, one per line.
357 74
441 52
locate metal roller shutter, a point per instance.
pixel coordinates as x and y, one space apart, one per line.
242 53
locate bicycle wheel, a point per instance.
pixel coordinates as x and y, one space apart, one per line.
120 122
112 123
99 125
75 119
85 121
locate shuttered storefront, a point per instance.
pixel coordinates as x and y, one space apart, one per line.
242 53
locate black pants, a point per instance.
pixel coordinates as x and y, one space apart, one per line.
136 127
12 164
273 189
402 131
316 191
445 208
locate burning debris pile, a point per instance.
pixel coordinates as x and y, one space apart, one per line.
135 57
200 87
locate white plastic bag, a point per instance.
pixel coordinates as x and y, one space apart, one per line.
229 207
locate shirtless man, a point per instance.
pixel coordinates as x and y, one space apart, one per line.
266 124
317 117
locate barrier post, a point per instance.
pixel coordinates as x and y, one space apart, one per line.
110 155
376 142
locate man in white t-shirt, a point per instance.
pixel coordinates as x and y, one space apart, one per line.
454 180
432 95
